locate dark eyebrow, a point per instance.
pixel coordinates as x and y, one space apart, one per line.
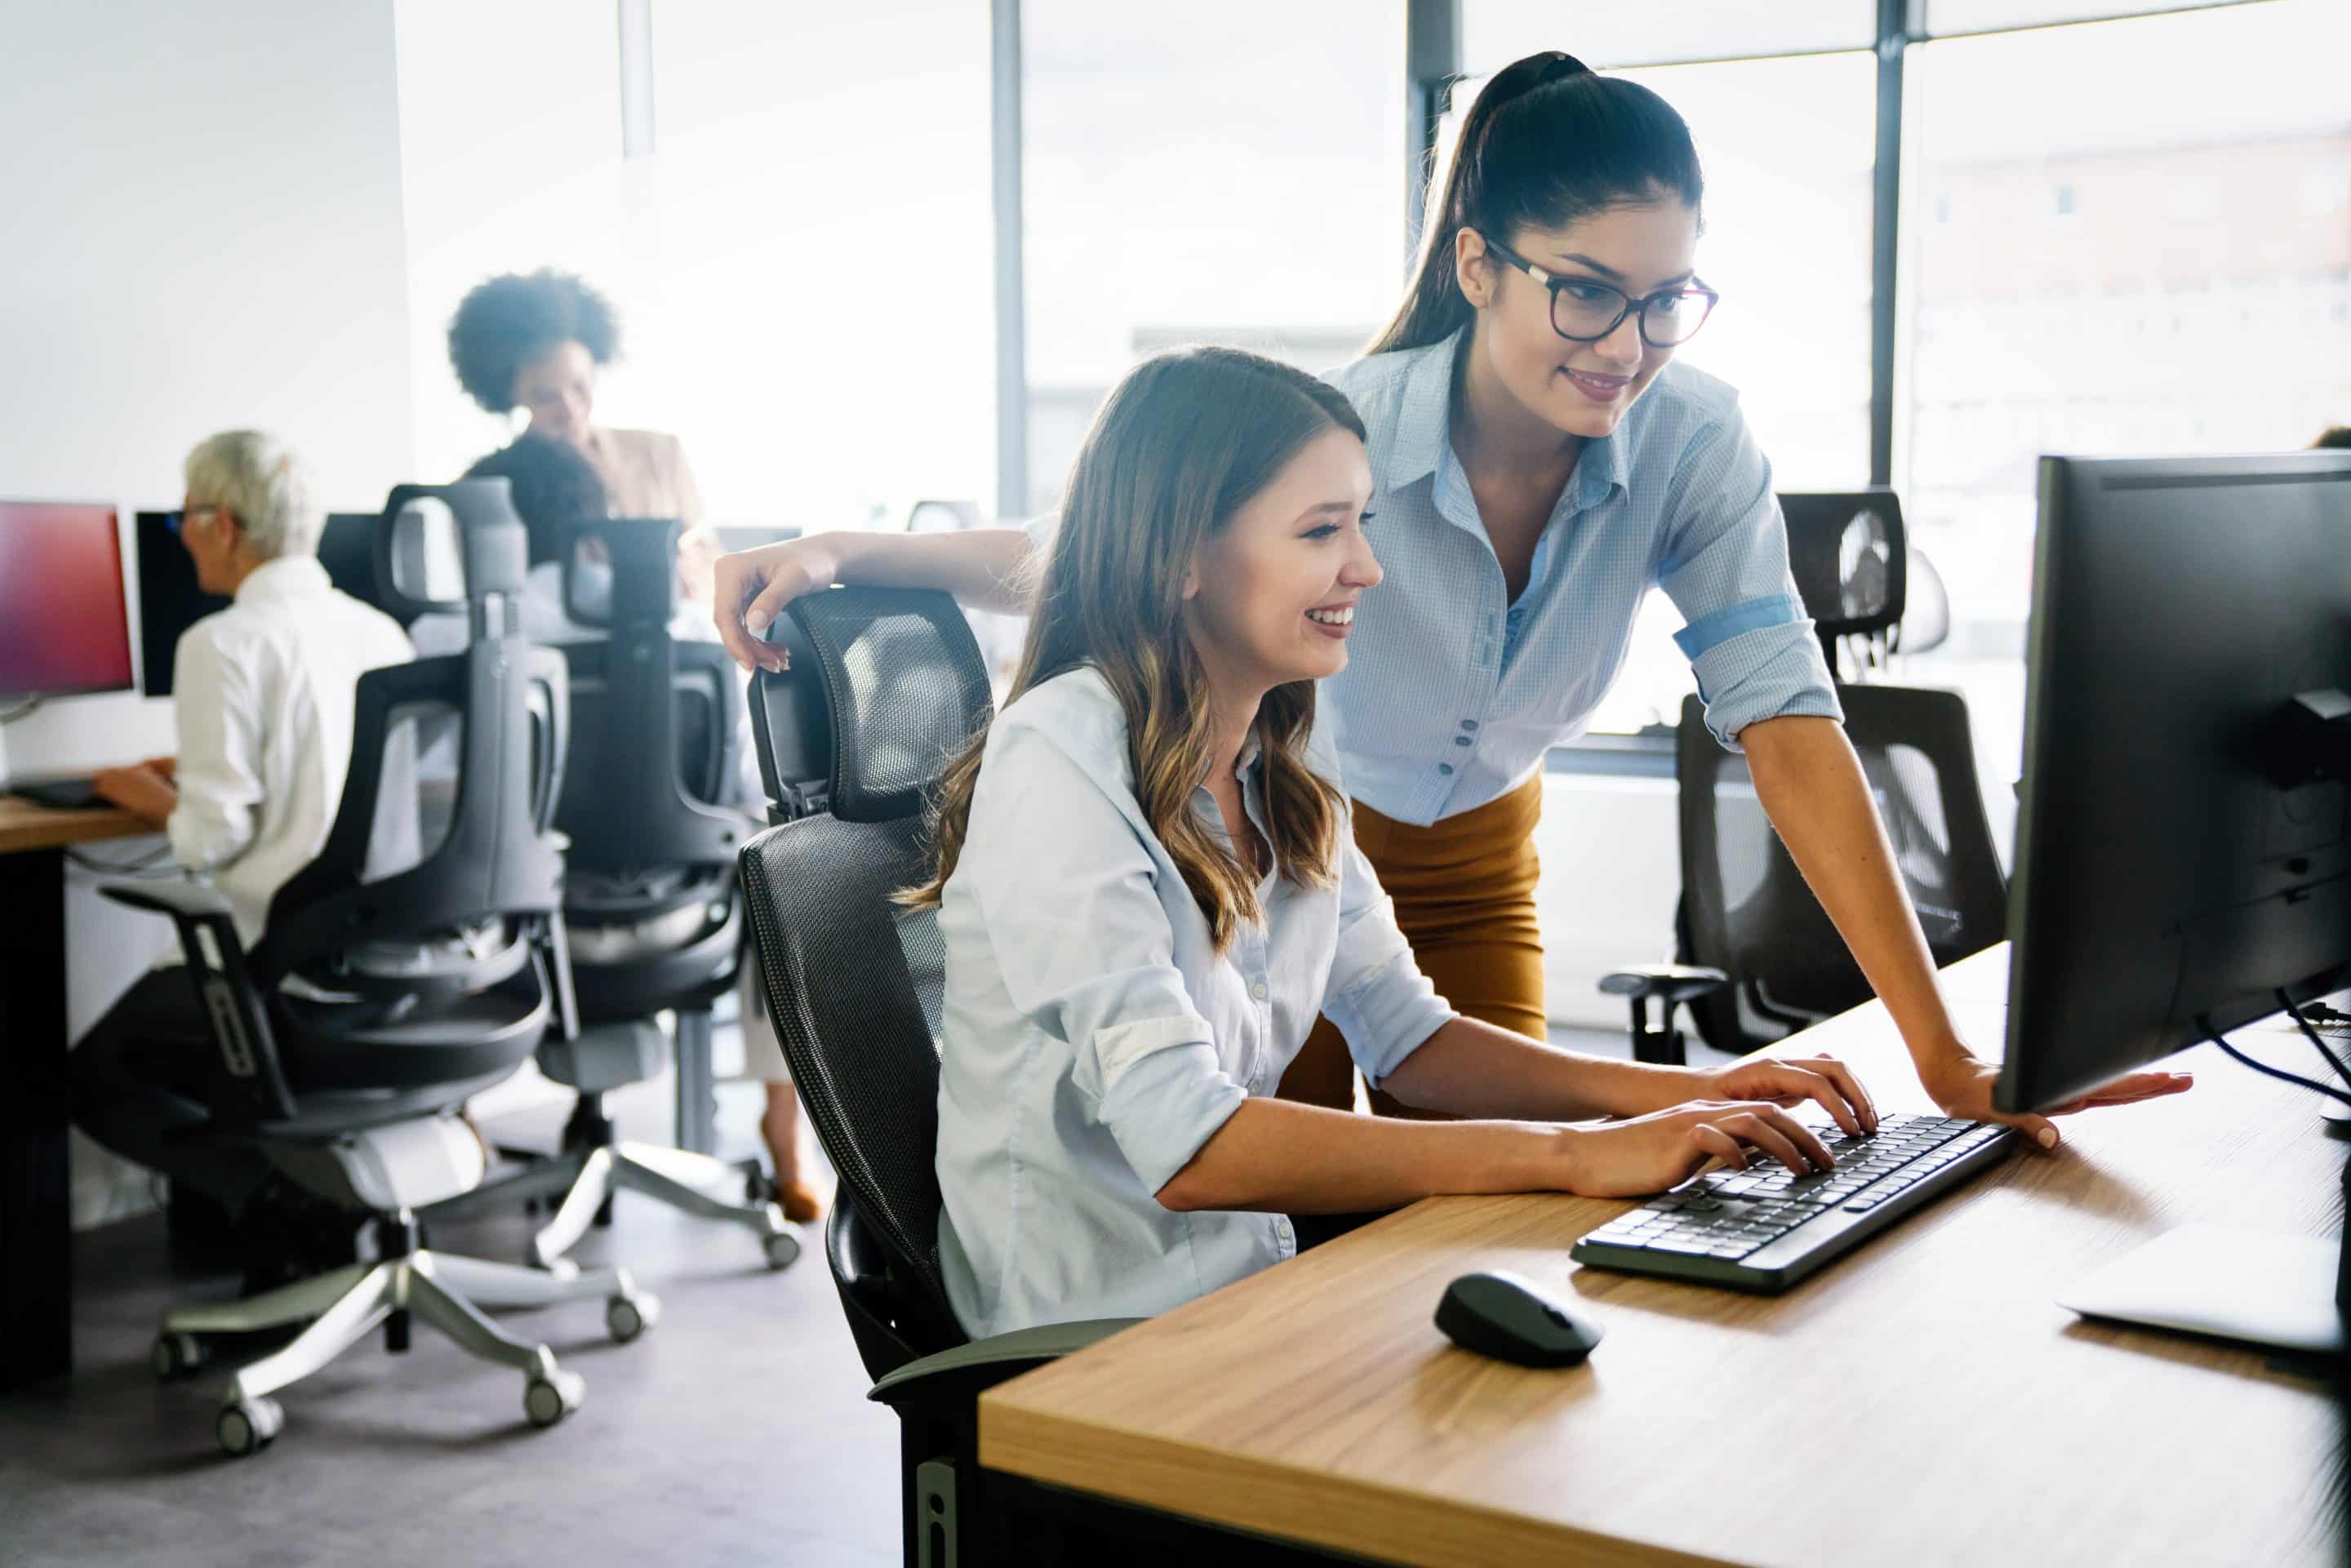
1340 507
1612 275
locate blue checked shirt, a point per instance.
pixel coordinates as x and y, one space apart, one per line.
1452 693
1091 1039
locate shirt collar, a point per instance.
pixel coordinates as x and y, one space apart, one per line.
283 580
1424 430
1423 414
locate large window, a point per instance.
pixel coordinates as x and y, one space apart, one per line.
803 263
1224 172
2122 238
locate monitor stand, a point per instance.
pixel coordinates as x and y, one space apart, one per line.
2290 1292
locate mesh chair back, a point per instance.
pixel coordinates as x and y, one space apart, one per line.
855 982
632 806
1747 910
495 862
1849 556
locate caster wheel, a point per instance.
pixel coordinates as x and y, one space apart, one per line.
783 1250
546 1264
626 1317
249 1426
176 1356
547 1400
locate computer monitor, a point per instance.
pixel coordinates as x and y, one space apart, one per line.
2183 863
2170 879
63 627
170 601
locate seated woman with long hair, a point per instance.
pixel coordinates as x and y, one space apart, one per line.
1149 891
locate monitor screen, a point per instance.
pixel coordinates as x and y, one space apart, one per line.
2174 877
63 628
169 599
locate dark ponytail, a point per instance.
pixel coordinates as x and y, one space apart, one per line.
1548 143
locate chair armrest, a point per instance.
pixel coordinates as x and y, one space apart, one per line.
956 1376
251 1086
1674 982
173 898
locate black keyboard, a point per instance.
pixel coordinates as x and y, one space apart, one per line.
1762 1230
66 794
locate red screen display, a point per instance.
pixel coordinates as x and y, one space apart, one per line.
62 625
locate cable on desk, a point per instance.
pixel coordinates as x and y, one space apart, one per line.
2296 1013
2213 1035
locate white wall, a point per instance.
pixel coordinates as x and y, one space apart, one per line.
200 209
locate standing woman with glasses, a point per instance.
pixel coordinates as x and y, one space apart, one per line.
1541 462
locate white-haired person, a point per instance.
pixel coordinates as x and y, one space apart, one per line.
264 697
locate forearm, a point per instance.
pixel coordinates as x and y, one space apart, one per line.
1470 1068
1277 1155
984 568
1813 788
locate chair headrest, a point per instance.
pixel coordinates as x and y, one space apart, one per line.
636 583
1850 557
885 686
470 524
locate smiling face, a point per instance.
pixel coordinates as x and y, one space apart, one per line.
558 390
1577 388
1271 596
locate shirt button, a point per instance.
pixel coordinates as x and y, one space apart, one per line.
1257 990
1461 740
1468 724
1446 769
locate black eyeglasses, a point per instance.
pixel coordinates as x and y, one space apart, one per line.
1584 311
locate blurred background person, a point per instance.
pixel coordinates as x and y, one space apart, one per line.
536 341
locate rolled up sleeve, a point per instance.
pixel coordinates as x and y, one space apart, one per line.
1377 996
1726 567
219 769
1065 887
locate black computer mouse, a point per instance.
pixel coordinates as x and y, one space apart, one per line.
1510 1318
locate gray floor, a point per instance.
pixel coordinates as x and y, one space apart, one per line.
736 1432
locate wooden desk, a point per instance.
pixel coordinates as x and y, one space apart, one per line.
35 1222
1921 1401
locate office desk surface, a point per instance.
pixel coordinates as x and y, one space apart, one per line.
1922 1400
25 825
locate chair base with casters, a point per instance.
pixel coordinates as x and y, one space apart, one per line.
594 1163
381 1168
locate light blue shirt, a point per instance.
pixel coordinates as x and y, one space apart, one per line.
1452 692
1091 1039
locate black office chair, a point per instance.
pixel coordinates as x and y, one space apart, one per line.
884 687
652 908
381 999
1756 956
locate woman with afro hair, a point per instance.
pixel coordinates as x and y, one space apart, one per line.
535 342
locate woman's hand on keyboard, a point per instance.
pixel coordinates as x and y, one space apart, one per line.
1792 1081
1649 1153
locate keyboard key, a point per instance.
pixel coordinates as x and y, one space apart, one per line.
1690 1246
1863 1204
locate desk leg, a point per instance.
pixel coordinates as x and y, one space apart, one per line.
35 1221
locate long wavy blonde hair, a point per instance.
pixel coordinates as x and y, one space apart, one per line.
1179 447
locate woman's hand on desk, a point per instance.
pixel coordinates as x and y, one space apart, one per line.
1963 1086
1643 1154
